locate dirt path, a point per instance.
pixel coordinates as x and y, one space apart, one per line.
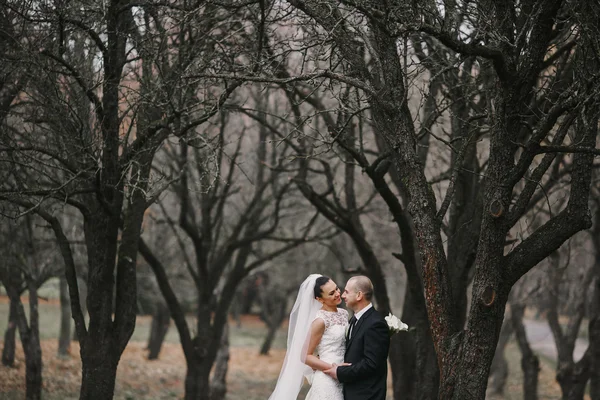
541 340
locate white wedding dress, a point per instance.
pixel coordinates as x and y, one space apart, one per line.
331 349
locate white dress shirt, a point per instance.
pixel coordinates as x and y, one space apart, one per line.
358 315
363 311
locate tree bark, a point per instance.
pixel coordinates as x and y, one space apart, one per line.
530 363
218 386
201 351
8 352
465 355
33 368
160 326
106 338
415 349
82 285
499 368
64 339
99 373
573 376
197 385
30 338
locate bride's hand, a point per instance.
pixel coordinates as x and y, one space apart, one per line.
345 364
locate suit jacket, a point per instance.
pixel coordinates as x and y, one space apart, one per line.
367 350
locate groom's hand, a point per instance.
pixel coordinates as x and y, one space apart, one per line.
332 372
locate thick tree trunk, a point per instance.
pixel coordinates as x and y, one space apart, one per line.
112 227
8 352
160 326
573 385
197 385
573 378
499 368
33 368
64 339
530 363
218 385
469 355
99 352
30 339
99 373
197 376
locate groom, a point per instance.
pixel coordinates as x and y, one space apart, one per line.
367 346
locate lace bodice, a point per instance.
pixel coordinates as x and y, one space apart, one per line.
331 349
333 343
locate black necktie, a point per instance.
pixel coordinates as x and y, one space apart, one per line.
352 323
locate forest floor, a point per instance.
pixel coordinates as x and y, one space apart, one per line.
250 375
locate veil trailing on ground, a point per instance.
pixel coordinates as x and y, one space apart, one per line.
293 370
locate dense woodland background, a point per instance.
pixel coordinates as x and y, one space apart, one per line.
170 171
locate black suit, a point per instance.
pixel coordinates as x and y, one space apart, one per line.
367 351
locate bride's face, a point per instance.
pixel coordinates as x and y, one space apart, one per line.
330 294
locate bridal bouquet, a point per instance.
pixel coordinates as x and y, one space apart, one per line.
395 325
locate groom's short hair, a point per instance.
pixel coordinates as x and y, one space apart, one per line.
364 285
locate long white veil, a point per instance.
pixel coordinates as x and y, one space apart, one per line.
293 370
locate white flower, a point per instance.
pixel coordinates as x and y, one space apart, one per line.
394 324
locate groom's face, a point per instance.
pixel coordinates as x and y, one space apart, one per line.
350 295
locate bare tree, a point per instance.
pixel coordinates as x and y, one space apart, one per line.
218 224
13 39
87 128
9 344
531 108
161 319
530 363
273 297
28 264
572 376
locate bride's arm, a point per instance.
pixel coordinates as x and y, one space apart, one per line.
316 333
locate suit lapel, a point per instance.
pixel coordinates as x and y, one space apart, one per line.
358 325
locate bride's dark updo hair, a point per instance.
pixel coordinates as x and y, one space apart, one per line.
319 284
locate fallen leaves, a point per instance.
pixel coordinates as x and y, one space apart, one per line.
162 378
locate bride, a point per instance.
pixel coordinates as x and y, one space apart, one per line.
315 324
